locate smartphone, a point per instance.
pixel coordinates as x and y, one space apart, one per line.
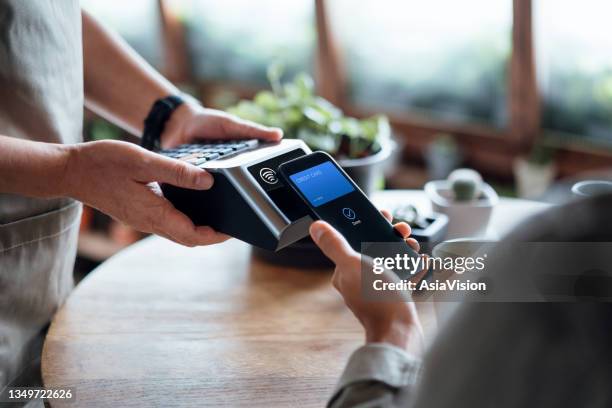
332 196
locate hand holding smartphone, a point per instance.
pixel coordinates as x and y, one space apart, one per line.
332 196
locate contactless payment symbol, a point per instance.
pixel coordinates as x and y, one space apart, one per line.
268 175
348 213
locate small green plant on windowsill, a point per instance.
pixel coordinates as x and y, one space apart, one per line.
535 172
541 155
295 108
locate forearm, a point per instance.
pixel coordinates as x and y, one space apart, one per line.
33 169
119 85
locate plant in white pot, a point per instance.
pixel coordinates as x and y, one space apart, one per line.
442 156
362 147
466 200
535 173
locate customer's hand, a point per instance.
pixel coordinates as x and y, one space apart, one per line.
395 322
192 122
120 179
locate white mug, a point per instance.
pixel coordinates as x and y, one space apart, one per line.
591 188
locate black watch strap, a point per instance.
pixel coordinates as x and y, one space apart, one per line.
156 120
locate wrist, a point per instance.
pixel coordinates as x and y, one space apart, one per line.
174 131
70 170
407 337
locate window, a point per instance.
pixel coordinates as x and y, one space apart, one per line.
137 21
574 58
446 60
236 40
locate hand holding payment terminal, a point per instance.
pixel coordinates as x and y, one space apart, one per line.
332 196
247 200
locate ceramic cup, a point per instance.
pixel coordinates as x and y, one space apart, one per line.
591 188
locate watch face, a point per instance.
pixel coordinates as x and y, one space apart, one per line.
266 174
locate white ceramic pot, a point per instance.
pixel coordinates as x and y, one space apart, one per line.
532 180
466 219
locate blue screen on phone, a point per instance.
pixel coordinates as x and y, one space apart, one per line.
322 183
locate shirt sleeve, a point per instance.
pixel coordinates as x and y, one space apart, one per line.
377 374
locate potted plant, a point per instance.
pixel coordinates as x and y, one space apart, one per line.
535 173
361 146
442 156
466 200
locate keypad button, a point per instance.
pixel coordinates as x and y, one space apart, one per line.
200 153
212 156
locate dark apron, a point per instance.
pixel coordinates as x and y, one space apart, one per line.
41 98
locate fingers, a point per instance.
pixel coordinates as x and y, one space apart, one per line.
234 127
414 244
331 242
403 229
178 227
387 215
178 173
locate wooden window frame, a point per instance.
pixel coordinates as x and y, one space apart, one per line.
490 150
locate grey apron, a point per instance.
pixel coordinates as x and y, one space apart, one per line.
41 98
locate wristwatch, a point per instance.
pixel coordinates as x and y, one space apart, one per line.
156 120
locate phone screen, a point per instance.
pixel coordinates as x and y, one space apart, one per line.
333 197
321 184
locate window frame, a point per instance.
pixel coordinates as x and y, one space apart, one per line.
491 150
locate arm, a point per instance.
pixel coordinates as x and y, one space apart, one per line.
385 370
114 177
377 375
121 87
32 168
120 178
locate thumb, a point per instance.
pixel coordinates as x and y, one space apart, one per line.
176 172
244 129
331 242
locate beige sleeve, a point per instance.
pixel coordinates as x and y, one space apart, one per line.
377 374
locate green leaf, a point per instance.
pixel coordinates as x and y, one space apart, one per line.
267 100
275 73
293 94
318 141
276 119
293 117
326 105
296 109
248 110
315 115
305 85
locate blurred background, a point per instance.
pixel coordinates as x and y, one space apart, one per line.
519 90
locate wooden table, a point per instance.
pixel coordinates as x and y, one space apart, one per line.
164 325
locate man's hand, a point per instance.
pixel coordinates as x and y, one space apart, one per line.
192 122
394 322
120 179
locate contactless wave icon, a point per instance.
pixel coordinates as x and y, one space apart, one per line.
268 175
